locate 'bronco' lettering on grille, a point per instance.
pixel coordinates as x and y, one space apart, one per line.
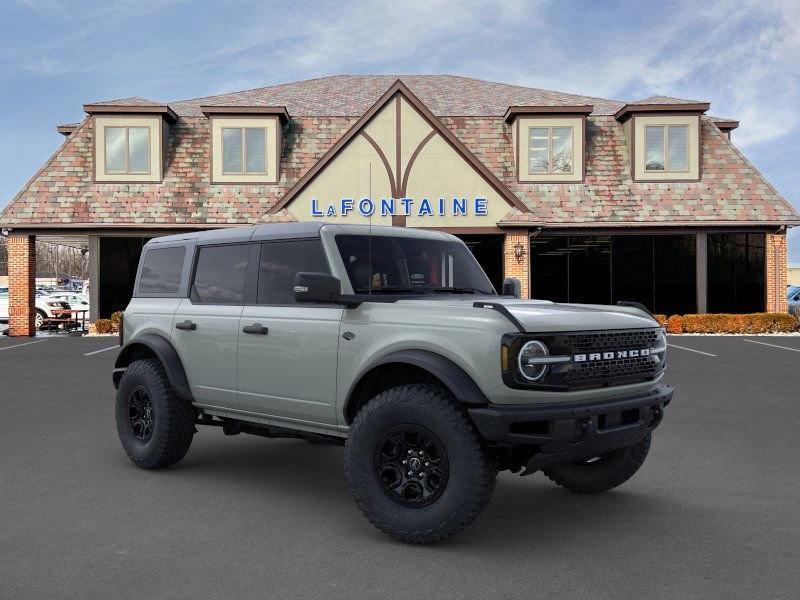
595 356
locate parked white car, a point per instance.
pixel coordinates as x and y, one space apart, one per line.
3 304
75 300
46 307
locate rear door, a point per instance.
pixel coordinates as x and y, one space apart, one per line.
288 352
205 329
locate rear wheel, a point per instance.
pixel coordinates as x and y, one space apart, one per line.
154 425
600 473
416 466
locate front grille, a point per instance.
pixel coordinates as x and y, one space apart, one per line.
588 373
612 340
594 373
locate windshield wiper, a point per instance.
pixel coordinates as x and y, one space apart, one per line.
459 290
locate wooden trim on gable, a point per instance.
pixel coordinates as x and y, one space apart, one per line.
398 87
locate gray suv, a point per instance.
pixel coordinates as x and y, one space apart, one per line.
393 343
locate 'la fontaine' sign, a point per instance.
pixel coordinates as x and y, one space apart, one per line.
388 207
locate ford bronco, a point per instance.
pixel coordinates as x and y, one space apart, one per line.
392 342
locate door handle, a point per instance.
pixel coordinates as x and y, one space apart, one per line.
186 325
255 328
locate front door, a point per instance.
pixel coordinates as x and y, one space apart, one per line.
205 328
288 352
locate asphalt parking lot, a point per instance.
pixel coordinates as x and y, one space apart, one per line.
714 512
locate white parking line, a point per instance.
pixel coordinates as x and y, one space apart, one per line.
771 345
692 350
101 350
20 345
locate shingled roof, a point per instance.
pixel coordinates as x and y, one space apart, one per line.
731 191
352 95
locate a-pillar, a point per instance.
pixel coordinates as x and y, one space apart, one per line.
516 258
21 284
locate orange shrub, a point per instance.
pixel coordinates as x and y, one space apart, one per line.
674 324
103 326
752 323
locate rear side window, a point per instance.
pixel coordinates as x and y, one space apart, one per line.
220 274
161 271
280 262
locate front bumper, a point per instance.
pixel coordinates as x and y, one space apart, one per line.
568 432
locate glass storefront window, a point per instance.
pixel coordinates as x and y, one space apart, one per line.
736 272
656 270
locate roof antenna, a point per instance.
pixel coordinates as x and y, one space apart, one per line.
371 275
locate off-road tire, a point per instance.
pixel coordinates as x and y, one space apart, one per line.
607 472
173 419
471 471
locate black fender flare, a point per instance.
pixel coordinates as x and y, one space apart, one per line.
452 376
166 354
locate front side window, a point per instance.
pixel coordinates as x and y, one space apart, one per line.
244 150
220 274
127 150
550 150
400 265
161 271
281 262
666 147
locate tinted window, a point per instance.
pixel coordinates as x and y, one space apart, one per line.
736 266
280 262
161 271
220 274
390 264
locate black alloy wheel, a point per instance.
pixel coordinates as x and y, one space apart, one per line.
412 465
140 414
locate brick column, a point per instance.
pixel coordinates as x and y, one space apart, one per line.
513 267
775 273
21 284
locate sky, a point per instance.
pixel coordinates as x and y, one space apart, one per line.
742 56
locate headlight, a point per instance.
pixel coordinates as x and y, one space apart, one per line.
532 360
54 304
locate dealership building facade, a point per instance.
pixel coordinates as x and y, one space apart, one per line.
583 199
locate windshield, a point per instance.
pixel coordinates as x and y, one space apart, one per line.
405 265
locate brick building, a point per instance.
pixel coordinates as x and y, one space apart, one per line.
583 199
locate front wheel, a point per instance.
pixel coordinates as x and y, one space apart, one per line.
600 473
154 425
416 466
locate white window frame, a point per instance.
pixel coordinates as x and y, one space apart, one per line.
520 133
550 170
243 129
127 129
635 134
272 127
158 132
665 148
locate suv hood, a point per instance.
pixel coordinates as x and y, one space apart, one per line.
542 316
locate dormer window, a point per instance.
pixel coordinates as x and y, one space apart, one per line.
245 143
129 140
666 148
548 142
244 150
550 150
127 150
663 138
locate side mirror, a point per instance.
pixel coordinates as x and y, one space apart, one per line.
511 287
317 287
